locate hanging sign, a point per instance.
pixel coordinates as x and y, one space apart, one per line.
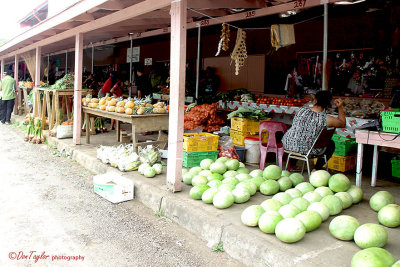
148 61
133 53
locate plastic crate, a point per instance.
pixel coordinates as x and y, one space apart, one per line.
238 137
245 125
193 159
197 142
344 146
396 168
391 120
341 164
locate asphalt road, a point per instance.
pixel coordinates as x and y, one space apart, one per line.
50 216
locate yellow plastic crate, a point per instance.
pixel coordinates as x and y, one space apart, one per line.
245 125
341 164
197 142
238 137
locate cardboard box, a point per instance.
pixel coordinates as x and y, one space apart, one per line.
113 187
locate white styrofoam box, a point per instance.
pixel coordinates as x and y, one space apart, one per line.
64 131
163 153
113 187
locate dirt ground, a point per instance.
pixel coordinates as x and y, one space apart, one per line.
50 215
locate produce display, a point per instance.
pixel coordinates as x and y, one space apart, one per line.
34 132
205 116
65 83
250 113
125 159
372 257
281 101
136 106
365 108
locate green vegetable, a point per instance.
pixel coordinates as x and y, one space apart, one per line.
250 113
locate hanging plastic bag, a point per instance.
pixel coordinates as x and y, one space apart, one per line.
226 148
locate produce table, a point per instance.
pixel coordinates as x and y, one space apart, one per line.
140 123
26 92
376 139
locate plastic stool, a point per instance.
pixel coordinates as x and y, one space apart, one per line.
272 146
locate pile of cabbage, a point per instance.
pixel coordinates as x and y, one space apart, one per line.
300 206
126 159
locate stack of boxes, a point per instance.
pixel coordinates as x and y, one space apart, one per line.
199 146
242 128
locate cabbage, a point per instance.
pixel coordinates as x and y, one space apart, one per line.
268 221
230 180
312 197
241 165
230 174
311 219
243 176
339 183
226 187
346 199
301 203
214 183
222 159
272 172
256 173
187 178
288 211
323 191
370 235
294 193
142 167
158 168
149 172
218 167
205 173
184 171
284 183
334 204
290 230
296 178
396 264
197 191
319 178
206 163
215 176
305 187
389 215
286 173
356 193
321 208
381 199
241 195
343 227
257 181
282 197
269 187
251 215
223 199
208 195
195 170
372 257
271 204
232 164
250 186
198 180
243 170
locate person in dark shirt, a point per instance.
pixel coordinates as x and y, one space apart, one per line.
143 83
90 82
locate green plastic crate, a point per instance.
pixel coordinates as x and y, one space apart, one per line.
391 120
344 146
193 159
396 168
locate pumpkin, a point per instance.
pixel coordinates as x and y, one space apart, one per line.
94 100
112 102
111 108
102 101
120 109
121 104
140 111
103 107
129 104
128 111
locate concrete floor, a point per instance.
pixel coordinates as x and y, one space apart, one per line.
249 245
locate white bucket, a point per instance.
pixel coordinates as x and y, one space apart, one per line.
253 153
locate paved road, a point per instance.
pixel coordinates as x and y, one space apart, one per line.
49 214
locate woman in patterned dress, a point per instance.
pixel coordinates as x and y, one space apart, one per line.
308 123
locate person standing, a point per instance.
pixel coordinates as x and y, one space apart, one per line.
143 83
7 88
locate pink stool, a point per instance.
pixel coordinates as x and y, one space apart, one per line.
272 146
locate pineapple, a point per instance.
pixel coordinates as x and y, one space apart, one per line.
139 102
148 109
148 99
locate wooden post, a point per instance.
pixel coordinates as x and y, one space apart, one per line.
177 94
2 69
18 97
78 89
37 67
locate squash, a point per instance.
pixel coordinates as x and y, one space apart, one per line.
128 111
161 110
129 104
102 101
84 100
112 102
140 111
103 107
94 100
111 108
109 98
120 109
121 104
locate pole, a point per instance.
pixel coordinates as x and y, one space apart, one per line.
325 50
66 63
130 68
48 67
92 59
78 89
198 61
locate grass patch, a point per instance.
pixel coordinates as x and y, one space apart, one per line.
219 247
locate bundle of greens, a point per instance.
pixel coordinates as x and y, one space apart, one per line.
250 113
30 130
67 82
38 133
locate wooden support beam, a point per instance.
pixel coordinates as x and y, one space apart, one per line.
85 17
111 5
2 68
38 55
211 4
17 99
65 26
78 89
177 94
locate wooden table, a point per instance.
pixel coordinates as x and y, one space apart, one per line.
140 123
376 139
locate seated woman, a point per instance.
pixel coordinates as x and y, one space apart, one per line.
308 123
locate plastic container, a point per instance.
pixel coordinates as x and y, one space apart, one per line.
198 142
341 164
245 125
344 146
252 145
391 120
240 150
193 159
238 137
396 167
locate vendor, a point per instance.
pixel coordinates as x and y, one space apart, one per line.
143 83
111 86
309 122
90 82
